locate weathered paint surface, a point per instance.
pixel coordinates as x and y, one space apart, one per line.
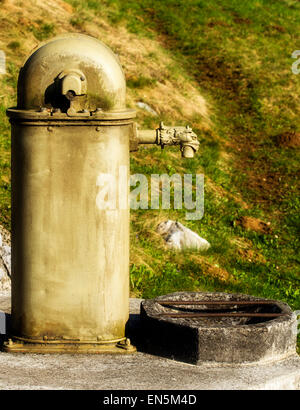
70 260
38 84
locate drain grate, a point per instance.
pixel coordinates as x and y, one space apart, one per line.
231 303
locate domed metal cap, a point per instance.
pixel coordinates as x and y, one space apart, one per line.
71 73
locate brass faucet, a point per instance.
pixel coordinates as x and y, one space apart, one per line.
182 136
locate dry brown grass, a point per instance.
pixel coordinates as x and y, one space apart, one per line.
145 228
172 94
210 269
254 224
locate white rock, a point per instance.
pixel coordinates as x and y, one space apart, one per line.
3 273
146 107
2 62
6 257
5 264
179 237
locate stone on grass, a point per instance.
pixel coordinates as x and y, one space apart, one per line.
147 108
178 236
5 262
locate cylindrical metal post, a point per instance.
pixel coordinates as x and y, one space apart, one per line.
70 256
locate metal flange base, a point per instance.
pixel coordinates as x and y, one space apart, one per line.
17 346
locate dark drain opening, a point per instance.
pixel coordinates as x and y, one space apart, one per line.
254 312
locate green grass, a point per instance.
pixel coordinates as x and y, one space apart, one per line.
42 31
239 53
277 277
9 81
140 82
4 170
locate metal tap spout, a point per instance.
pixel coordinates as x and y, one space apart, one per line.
163 136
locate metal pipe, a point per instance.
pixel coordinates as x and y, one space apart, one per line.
164 136
147 136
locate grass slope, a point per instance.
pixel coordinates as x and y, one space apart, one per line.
224 67
240 55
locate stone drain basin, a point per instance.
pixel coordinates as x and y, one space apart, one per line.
218 328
